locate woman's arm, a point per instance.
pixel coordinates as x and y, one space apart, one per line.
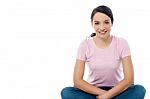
82 84
125 83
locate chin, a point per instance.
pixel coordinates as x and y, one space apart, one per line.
103 36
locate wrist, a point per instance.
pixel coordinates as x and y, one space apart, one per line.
101 92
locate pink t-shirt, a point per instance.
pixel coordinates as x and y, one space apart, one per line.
104 64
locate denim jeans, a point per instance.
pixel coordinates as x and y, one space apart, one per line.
132 92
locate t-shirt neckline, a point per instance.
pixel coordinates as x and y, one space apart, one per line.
105 47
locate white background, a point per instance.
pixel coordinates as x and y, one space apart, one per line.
39 41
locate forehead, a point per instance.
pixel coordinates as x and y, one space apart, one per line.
100 17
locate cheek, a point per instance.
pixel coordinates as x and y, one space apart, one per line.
96 27
108 28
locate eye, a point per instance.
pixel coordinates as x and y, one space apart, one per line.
107 22
96 23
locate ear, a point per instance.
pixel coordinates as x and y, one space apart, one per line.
92 23
111 24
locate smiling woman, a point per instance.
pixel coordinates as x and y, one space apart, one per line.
104 54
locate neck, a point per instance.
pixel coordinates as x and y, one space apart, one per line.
103 42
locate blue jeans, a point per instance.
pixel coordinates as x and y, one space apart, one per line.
133 92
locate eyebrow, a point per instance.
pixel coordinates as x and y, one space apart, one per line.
96 21
104 20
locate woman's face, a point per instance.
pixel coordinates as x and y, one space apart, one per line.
102 25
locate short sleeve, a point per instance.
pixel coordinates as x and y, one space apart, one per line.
81 53
124 48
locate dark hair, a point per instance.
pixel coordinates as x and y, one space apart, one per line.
102 9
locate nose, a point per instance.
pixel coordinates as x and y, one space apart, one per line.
102 27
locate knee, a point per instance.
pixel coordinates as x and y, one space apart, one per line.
65 92
140 90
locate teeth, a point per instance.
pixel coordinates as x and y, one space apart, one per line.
102 32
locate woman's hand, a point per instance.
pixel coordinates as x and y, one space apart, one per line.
103 96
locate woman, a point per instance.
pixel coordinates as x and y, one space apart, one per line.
108 57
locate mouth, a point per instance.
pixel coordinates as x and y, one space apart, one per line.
102 33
